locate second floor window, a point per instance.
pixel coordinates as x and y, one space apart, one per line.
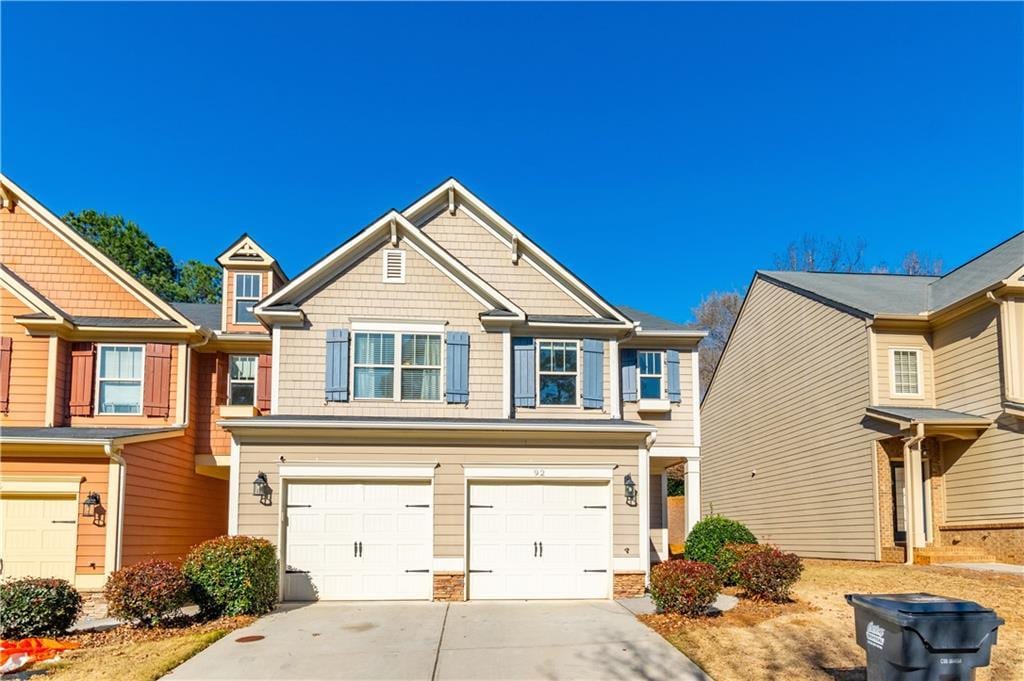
558 373
119 379
248 288
906 379
374 366
649 365
242 380
421 366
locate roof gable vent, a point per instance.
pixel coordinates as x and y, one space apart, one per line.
394 266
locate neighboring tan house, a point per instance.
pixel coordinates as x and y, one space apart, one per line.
875 416
456 415
109 451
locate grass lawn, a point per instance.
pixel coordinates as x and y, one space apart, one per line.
813 638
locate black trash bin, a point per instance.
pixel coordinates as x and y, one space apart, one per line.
922 637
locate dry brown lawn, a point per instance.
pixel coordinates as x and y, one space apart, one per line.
813 637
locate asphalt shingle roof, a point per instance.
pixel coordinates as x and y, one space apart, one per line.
75 433
203 314
924 414
650 322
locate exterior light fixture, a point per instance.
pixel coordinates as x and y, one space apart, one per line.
91 503
261 488
630 490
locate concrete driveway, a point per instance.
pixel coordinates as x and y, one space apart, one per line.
583 640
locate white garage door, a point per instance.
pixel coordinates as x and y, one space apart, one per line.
39 536
358 541
529 540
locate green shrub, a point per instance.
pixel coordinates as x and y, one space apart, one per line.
233 576
707 539
148 592
33 606
729 557
769 574
684 586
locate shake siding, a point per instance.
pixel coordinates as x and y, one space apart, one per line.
984 478
904 340
449 483
427 294
675 427
60 273
787 402
133 419
94 470
210 438
483 253
29 357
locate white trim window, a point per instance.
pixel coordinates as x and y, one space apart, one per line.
242 379
248 289
421 367
558 373
373 366
905 371
650 368
119 379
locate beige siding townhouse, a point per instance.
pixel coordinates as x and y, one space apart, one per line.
455 415
875 416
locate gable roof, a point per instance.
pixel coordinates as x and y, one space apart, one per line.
451 191
980 273
394 225
245 252
653 323
132 285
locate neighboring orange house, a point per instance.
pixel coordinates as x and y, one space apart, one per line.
109 452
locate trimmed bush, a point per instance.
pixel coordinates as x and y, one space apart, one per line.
149 592
729 557
33 606
233 576
707 539
769 573
684 586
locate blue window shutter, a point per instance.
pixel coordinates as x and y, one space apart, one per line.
336 372
457 380
524 366
627 360
593 373
672 367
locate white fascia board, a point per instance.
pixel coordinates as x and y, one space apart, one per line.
681 333
29 297
355 471
539 472
614 329
676 452
583 426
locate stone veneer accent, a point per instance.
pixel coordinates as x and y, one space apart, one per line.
449 586
628 585
94 604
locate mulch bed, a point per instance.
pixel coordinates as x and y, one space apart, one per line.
747 612
183 624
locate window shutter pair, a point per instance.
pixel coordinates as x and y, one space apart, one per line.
83 373
629 375
156 391
264 375
6 345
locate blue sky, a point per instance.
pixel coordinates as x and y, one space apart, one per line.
659 150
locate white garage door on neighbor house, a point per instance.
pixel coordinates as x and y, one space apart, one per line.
42 532
539 540
358 541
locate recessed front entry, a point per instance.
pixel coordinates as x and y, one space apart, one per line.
39 536
539 540
358 541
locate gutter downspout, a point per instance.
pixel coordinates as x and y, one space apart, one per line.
113 452
914 495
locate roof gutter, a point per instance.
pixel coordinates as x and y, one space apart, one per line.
412 425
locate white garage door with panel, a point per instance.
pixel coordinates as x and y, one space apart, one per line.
530 540
358 541
39 536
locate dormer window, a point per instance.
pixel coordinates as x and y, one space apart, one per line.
248 288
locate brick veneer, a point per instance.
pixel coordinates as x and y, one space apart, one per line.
628 585
1004 542
449 586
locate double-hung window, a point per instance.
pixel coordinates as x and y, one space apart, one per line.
558 373
119 379
906 373
248 287
649 366
242 380
419 363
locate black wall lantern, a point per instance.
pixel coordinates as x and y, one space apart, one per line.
630 490
92 508
261 488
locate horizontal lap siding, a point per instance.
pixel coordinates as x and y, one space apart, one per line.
984 478
427 294
904 340
449 489
675 427
483 253
787 402
29 358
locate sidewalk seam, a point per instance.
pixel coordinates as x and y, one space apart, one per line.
440 639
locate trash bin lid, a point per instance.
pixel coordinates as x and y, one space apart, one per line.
918 604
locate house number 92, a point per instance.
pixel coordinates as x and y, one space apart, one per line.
538 472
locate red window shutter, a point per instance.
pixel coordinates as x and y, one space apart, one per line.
263 374
156 393
6 342
83 371
221 378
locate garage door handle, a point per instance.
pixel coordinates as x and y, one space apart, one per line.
290 571
534 549
480 506
64 522
595 571
472 571
541 549
360 549
427 570
417 505
595 507
355 549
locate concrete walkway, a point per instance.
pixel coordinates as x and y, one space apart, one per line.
543 640
1004 568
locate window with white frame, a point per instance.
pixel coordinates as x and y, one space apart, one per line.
248 288
242 380
558 373
906 372
119 379
419 365
649 365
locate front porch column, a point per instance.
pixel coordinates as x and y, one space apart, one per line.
692 491
914 507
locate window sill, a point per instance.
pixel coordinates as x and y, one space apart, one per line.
238 410
654 406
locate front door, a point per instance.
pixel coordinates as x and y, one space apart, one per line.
899 501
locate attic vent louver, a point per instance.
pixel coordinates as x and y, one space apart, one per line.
394 266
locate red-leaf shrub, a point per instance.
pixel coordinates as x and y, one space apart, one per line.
684 586
709 536
233 576
769 573
149 592
730 555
